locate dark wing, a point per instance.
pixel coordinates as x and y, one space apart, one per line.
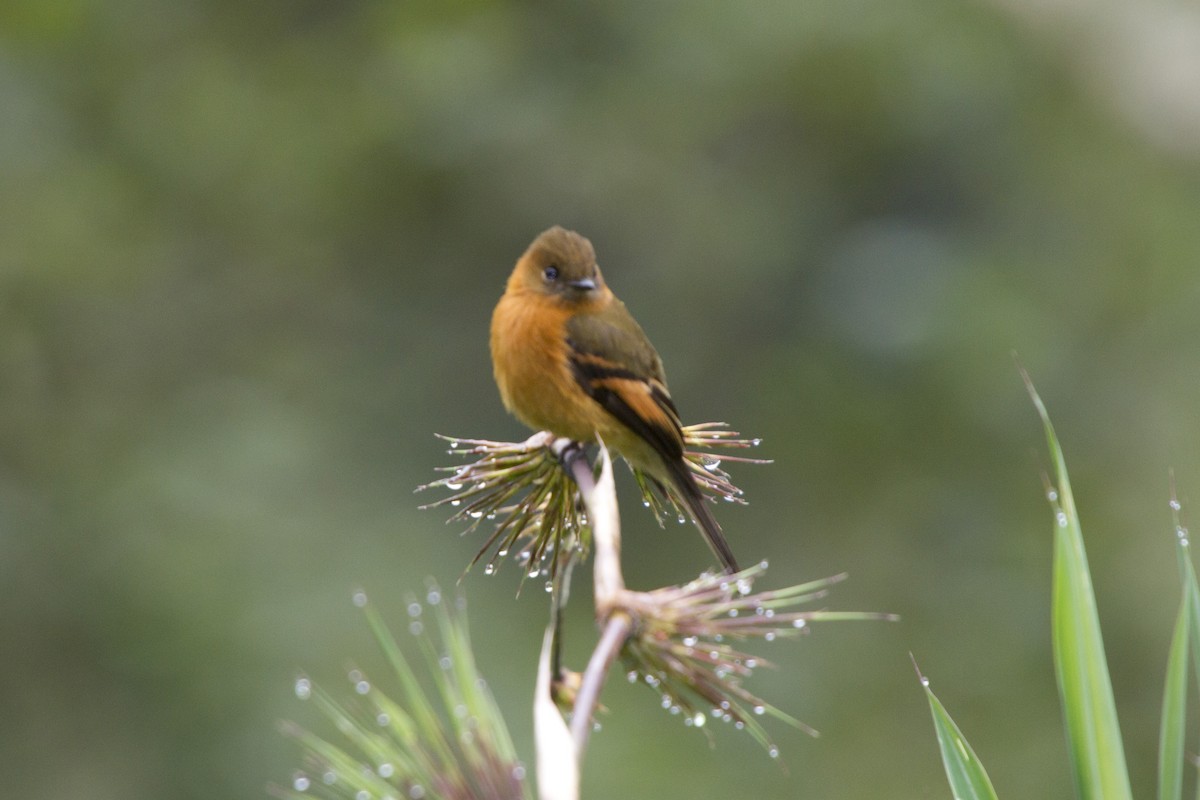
615 364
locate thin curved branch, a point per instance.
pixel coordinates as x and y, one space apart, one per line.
616 630
600 498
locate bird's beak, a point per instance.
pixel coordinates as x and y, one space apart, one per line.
584 284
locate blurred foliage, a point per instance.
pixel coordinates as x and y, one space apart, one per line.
247 258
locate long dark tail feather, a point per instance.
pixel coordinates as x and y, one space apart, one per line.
697 505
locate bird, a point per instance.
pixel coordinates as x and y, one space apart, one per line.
569 358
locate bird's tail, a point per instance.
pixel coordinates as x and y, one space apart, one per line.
697 506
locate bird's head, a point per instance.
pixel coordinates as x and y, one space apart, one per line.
560 264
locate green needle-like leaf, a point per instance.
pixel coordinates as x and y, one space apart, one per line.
1174 709
1093 733
1186 635
448 744
1191 588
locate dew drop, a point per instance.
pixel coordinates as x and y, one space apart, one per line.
533 573
739 724
631 676
681 519
763 564
646 503
1052 495
751 663
712 464
476 515
300 782
769 636
755 442
1175 506
733 612
416 628
454 487
456 503
666 701
382 719
698 719
329 778
744 585
549 586
359 599
434 597
1061 518
799 623
489 569
759 710
362 687
690 641
518 772
502 552
773 751
386 770
414 610
445 663
303 688
416 792
362 794
924 681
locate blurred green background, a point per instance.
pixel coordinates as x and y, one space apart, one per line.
248 254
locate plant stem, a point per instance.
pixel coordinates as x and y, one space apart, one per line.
557 756
600 497
616 631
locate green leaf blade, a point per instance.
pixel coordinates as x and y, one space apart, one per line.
1089 710
964 771
1174 709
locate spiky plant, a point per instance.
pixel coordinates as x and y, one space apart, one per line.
682 644
537 514
411 746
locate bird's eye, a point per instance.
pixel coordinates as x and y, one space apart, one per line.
551 273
